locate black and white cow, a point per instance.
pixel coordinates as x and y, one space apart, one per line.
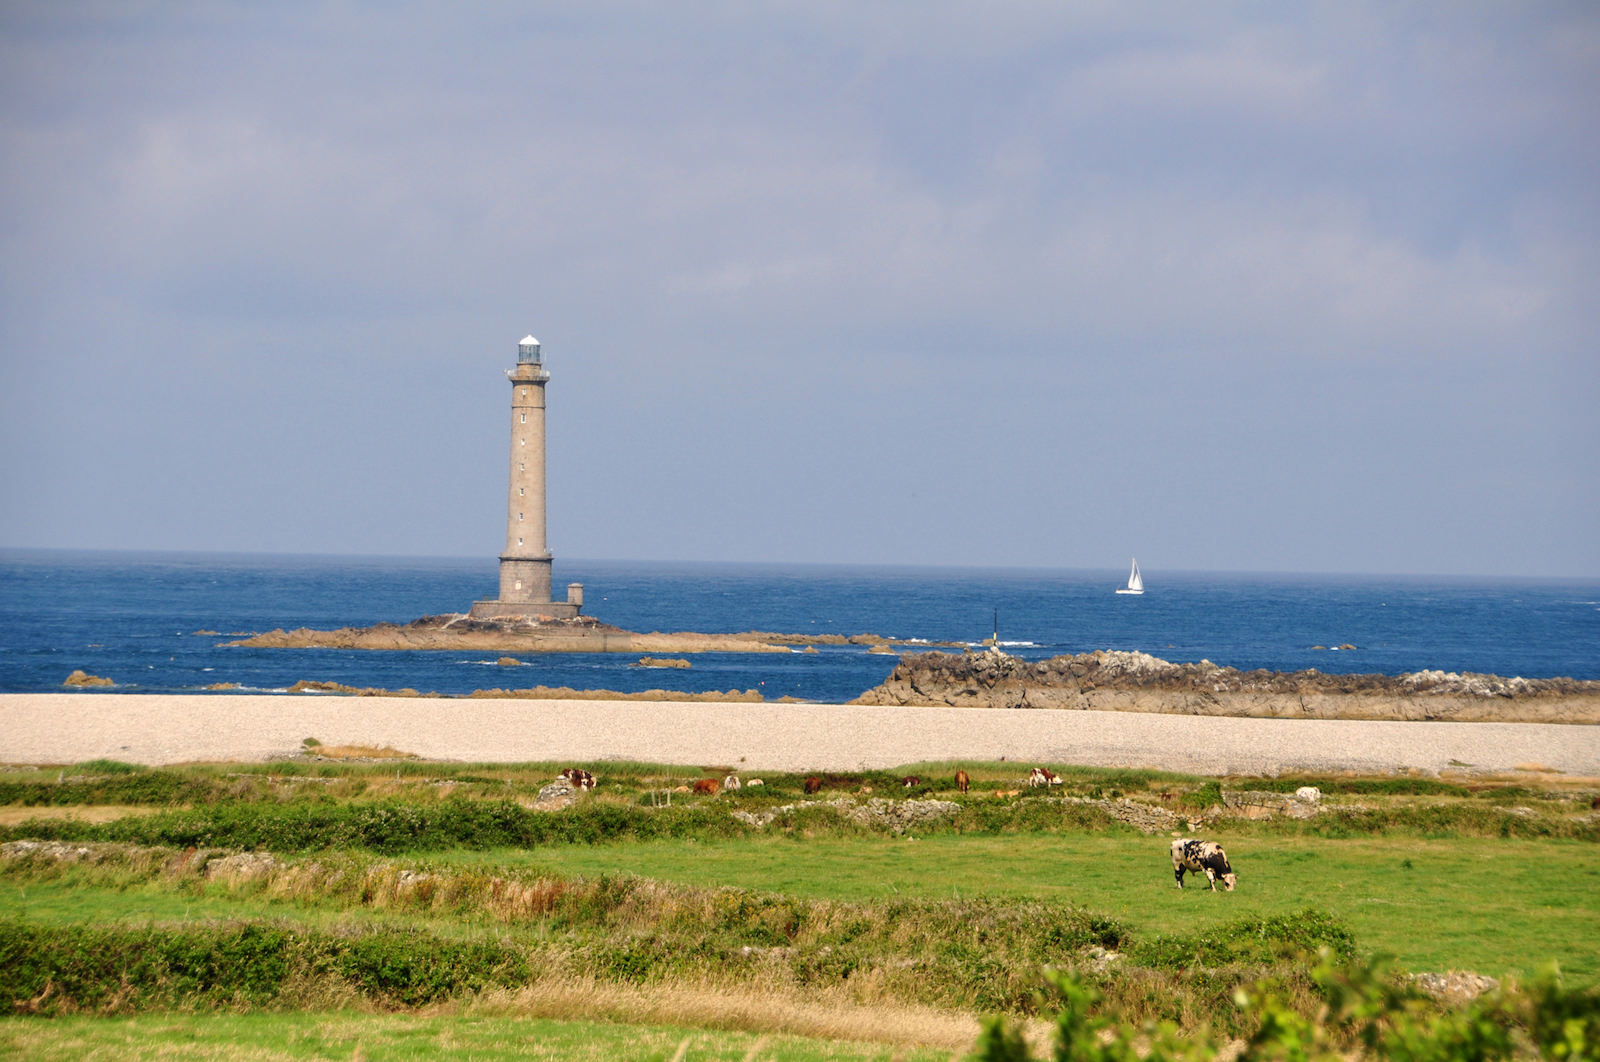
1202 857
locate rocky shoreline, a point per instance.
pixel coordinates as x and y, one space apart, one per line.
543 634
1138 682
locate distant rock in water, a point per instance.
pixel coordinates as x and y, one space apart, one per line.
1138 682
509 661
661 661
83 678
582 634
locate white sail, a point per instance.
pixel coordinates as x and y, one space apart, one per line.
1135 580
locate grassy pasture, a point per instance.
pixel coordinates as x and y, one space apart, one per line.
1497 876
1491 905
343 1035
1486 904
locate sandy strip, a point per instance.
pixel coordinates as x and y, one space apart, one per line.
61 728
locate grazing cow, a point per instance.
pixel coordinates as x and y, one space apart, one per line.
731 782
910 781
813 784
577 777
707 787
962 781
1040 776
752 783
1202 857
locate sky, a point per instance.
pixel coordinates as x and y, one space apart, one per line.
1228 287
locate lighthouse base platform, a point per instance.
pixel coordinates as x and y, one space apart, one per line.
532 610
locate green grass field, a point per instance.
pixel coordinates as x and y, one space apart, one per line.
293 1036
826 916
1496 906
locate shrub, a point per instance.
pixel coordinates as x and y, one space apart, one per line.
1367 1014
58 969
1248 942
104 766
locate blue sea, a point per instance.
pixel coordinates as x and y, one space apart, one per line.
134 618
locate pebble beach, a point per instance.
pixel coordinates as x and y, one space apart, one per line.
64 728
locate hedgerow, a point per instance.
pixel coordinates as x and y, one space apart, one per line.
60 969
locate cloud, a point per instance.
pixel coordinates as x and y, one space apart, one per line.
875 228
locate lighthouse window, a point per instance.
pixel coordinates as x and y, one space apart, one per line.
524 418
522 442
521 491
519 584
522 466
519 542
519 516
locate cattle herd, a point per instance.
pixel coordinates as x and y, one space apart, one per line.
1188 854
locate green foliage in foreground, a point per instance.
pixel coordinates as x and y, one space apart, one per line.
1364 1012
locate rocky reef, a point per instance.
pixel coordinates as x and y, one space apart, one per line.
543 634
1138 682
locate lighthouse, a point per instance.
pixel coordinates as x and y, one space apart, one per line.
525 564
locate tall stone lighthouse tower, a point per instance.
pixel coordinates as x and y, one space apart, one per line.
525 564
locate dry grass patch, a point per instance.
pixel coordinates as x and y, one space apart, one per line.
358 752
825 1015
10 816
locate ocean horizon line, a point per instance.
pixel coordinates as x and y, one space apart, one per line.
490 560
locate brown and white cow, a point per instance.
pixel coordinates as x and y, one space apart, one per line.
731 782
962 781
1202 857
910 781
813 784
577 777
1040 776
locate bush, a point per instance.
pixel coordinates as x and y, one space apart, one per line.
103 766
1248 942
58 969
1367 1014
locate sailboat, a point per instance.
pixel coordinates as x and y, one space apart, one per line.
1135 581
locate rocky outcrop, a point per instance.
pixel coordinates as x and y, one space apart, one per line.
1138 682
83 678
542 634
453 631
897 816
